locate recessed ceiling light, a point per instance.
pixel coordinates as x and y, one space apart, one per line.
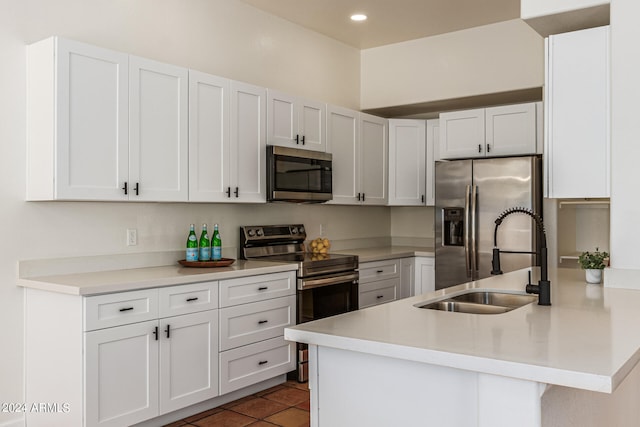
358 17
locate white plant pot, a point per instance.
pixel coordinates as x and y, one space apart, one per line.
593 275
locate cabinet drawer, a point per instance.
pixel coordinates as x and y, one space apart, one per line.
256 288
184 299
105 311
253 363
378 270
258 321
378 292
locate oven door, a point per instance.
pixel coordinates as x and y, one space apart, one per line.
323 296
328 295
298 175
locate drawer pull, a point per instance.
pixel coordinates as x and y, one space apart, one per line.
126 309
380 296
260 322
168 331
263 288
380 271
155 333
192 299
263 362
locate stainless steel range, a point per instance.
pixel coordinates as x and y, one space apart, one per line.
327 284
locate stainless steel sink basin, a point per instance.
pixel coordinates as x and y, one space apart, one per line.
479 301
501 299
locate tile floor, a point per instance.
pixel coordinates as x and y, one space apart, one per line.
285 405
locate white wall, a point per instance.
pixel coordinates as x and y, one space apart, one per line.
223 37
493 58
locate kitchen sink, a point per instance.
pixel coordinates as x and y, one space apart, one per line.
479 301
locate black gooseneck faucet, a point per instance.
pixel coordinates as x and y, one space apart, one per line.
543 288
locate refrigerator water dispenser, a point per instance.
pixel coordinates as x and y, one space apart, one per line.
453 230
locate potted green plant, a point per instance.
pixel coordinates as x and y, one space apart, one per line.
593 263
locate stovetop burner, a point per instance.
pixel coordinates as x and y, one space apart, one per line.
285 243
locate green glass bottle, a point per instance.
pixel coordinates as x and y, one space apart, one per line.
216 244
205 245
192 245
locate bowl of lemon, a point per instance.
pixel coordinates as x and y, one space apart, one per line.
319 246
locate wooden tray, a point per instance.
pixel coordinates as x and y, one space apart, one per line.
224 262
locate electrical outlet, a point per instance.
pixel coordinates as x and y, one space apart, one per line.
132 237
323 229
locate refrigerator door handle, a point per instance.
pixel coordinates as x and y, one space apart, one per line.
467 228
474 232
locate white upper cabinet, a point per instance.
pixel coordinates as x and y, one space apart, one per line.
462 134
358 143
158 131
487 132
577 106
374 162
343 142
78 121
248 154
412 161
433 147
295 122
407 161
104 125
209 150
226 140
511 130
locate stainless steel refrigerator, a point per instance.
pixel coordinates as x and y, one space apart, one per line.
470 195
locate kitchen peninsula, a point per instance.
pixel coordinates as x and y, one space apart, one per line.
573 363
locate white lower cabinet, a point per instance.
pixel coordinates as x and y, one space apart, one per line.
188 360
255 310
121 382
250 364
379 282
122 358
425 279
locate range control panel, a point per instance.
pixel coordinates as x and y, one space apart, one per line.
266 233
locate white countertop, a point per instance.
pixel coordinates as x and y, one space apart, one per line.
588 339
387 252
92 283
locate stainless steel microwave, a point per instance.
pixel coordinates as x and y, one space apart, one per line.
295 175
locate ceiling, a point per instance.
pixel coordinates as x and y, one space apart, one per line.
389 21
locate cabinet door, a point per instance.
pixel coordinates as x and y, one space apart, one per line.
121 375
282 120
78 121
433 141
188 359
158 131
577 112
312 124
511 130
462 134
208 137
248 143
425 275
374 160
343 139
407 277
407 158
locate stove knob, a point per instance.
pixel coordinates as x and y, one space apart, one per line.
294 230
301 230
259 232
251 233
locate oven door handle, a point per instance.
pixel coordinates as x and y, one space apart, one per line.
327 281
